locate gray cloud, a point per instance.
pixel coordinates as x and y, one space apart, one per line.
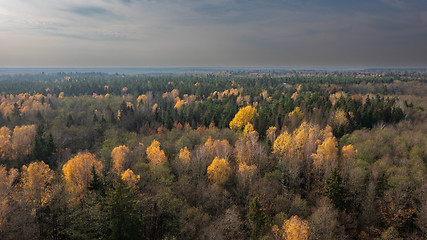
89 11
213 33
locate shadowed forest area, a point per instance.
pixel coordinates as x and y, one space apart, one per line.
225 155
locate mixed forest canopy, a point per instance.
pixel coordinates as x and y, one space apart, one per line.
220 155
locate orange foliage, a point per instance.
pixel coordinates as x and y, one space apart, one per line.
131 178
36 184
155 155
119 156
78 172
295 229
22 140
219 171
142 99
185 156
5 142
325 159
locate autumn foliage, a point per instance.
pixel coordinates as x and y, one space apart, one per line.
155 155
295 229
244 116
219 171
119 157
36 184
78 172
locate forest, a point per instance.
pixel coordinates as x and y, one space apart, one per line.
225 155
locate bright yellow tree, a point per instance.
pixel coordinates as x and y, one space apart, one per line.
325 159
295 229
5 142
219 171
131 178
155 155
119 157
185 156
22 140
249 129
296 114
78 172
243 117
36 185
282 144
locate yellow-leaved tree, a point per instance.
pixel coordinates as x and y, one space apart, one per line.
6 188
244 116
36 185
282 144
185 157
295 229
22 140
78 172
131 178
219 171
119 157
249 129
325 159
155 155
5 143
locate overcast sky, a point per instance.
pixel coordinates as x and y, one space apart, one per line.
228 33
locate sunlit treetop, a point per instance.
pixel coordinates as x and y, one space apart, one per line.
244 116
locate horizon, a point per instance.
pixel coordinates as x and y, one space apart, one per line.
180 70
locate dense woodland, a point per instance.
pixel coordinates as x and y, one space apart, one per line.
231 155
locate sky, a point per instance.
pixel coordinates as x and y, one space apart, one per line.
213 33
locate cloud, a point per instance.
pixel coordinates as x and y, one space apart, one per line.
216 32
90 11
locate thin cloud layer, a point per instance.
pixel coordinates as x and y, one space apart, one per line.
77 33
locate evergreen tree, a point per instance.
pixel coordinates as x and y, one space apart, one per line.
125 219
335 191
256 218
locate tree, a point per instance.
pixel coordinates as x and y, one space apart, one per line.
5 143
335 191
256 218
282 144
96 183
78 172
43 146
124 217
119 157
184 158
244 116
219 171
22 140
249 128
325 159
7 180
36 184
295 229
36 190
155 155
130 178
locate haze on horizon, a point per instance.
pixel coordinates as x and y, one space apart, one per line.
231 33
